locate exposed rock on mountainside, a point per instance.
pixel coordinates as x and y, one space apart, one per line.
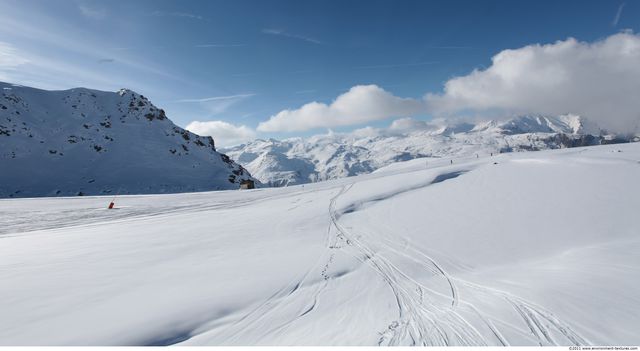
89 142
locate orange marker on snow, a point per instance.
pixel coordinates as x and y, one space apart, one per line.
113 201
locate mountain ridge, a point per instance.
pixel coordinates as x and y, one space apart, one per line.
89 142
336 155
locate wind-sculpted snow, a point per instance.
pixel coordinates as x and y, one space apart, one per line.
332 156
515 249
89 142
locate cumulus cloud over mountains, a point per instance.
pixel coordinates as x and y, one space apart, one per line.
361 104
224 133
596 80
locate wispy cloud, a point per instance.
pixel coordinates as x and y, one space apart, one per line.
218 98
219 45
283 33
398 65
616 19
49 72
72 61
217 104
176 14
92 12
69 41
10 57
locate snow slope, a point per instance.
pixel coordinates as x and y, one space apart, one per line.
336 155
82 141
519 249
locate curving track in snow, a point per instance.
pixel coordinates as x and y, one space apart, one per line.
519 249
427 317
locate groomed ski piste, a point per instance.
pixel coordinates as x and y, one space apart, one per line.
537 248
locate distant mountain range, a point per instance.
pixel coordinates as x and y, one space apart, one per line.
322 157
89 142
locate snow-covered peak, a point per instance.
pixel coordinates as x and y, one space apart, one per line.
539 124
84 141
336 155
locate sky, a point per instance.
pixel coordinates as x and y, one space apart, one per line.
240 70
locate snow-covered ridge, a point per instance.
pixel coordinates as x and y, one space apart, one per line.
83 142
334 155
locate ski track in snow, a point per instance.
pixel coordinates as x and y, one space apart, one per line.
426 317
289 303
431 320
433 306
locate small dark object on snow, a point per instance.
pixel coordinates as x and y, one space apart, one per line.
495 163
247 184
111 205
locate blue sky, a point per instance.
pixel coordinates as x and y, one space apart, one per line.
242 62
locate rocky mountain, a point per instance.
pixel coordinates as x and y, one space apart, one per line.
89 142
322 157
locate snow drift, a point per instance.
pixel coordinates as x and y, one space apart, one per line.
516 249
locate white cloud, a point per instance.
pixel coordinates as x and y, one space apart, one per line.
597 80
71 64
362 103
176 14
224 134
366 132
48 72
218 98
616 19
284 33
10 58
218 104
409 124
398 127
